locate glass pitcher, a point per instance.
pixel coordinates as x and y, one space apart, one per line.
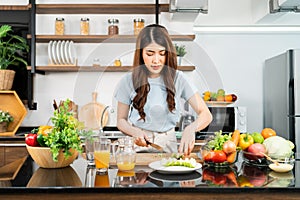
125 154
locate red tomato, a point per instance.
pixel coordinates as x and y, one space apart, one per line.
208 157
219 156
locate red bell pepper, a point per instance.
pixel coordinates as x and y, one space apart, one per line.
31 140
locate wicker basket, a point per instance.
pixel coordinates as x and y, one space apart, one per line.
6 79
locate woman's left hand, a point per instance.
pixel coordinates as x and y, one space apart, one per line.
187 140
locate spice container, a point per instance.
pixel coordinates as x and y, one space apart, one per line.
84 26
113 28
59 26
138 25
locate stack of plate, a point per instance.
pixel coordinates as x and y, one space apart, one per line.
62 52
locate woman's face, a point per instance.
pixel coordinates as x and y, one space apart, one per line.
154 57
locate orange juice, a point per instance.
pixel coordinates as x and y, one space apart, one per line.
102 159
125 173
102 180
125 166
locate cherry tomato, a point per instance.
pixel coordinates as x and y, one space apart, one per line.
219 156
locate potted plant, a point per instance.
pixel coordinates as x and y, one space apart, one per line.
11 49
5 119
180 51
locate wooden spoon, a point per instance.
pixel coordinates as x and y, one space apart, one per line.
270 159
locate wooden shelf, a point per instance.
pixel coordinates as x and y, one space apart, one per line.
15 7
101 38
94 69
99 8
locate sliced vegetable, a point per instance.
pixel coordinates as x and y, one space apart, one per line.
187 162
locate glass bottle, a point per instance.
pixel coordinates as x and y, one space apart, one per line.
138 25
125 154
84 26
113 28
59 26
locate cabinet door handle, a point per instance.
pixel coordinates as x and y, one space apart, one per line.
12 145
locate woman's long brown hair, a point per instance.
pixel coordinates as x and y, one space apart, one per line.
159 35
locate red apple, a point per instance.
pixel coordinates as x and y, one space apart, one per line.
257 149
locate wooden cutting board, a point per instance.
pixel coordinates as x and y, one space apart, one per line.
91 114
146 158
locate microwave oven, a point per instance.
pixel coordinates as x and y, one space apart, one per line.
226 119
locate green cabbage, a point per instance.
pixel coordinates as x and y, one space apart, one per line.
278 147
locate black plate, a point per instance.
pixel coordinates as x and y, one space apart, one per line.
174 177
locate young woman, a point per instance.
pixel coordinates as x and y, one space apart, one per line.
149 96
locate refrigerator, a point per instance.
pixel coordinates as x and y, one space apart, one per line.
281 96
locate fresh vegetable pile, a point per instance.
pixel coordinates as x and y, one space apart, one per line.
222 148
63 135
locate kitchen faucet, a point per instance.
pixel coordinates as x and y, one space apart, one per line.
101 120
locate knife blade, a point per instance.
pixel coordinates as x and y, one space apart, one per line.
159 148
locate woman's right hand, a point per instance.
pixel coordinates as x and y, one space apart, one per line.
140 139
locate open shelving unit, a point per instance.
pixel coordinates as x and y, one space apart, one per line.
82 8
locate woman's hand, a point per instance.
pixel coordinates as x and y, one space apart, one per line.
141 138
187 140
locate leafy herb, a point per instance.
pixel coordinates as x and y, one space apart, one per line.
5 117
65 133
217 142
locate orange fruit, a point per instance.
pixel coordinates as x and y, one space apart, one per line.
268 132
228 98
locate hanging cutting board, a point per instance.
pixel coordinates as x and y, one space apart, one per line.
91 114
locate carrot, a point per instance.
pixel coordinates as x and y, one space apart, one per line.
231 176
235 137
231 157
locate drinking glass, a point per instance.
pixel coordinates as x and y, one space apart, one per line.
89 149
102 154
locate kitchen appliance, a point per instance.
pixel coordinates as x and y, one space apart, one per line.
281 95
227 119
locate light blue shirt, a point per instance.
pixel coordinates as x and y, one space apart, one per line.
158 117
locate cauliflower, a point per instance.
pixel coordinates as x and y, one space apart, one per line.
278 147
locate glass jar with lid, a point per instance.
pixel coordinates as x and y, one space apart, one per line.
138 25
125 154
113 26
59 26
84 26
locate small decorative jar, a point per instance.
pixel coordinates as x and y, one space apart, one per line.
59 26
118 63
125 154
138 25
84 26
113 28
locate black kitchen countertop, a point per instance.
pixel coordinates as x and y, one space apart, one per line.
79 178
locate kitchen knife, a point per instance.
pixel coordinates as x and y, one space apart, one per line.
159 148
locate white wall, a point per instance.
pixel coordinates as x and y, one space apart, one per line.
231 60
